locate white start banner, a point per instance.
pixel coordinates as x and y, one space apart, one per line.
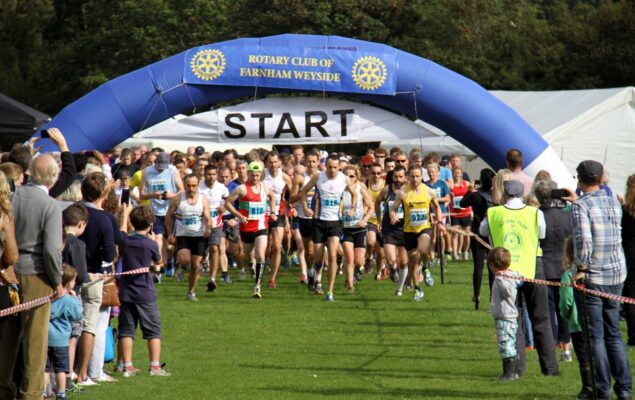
292 120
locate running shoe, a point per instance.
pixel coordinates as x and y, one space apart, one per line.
318 289
191 296
394 275
428 277
272 284
565 356
378 276
368 265
169 270
159 372
304 280
129 373
211 285
329 297
226 278
87 382
158 278
105 378
311 282
398 293
205 267
178 274
466 256
418 294
256 294
358 274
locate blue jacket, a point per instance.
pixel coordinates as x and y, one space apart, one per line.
63 311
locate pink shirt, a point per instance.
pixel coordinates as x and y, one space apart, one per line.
526 180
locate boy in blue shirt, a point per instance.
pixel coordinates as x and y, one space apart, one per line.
137 292
63 311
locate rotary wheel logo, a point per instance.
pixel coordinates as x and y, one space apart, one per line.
369 73
208 64
512 241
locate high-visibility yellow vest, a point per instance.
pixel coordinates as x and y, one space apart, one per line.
517 231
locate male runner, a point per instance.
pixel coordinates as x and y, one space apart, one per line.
187 230
253 197
374 185
416 199
277 182
327 224
215 194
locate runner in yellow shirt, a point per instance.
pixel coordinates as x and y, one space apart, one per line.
417 199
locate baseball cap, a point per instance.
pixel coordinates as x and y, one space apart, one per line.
513 188
162 161
199 150
367 160
445 160
255 166
590 169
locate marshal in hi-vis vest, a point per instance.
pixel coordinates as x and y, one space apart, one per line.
517 231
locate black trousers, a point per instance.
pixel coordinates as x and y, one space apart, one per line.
559 325
536 299
479 256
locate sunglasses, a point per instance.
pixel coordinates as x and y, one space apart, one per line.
400 161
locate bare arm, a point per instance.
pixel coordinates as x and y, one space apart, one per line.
399 198
169 216
10 255
350 186
368 204
380 199
229 202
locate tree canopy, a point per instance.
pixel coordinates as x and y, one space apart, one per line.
55 51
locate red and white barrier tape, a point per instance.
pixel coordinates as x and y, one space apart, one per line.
43 300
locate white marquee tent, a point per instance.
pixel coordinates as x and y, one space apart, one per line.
579 124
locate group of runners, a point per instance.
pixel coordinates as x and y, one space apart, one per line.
383 210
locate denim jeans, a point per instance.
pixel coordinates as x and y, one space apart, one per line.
609 353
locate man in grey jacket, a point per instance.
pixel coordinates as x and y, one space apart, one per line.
38 231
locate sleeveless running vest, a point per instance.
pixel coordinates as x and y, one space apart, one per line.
352 222
517 231
328 197
373 195
215 196
387 205
277 186
309 199
253 206
416 210
189 217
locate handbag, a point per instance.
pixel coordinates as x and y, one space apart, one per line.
110 295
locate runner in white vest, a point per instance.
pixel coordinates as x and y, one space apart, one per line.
189 218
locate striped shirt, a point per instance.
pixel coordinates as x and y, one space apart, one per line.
598 238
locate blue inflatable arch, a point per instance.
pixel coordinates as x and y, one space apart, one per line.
366 71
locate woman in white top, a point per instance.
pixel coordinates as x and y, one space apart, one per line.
354 227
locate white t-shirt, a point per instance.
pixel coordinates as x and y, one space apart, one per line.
215 197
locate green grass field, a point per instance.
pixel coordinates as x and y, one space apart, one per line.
367 345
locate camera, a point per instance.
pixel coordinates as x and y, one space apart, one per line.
125 196
44 134
164 195
559 193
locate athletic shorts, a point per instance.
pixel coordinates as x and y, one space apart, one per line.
411 239
394 237
215 237
322 230
250 237
158 228
144 314
357 236
195 244
305 226
373 228
295 224
57 360
462 221
278 223
231 233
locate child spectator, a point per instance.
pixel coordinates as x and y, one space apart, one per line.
504 309
63 311
569 312
137 293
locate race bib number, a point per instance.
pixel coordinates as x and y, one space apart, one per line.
418 217
257 210
348 220
457 202
330 202
192 222
400 212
